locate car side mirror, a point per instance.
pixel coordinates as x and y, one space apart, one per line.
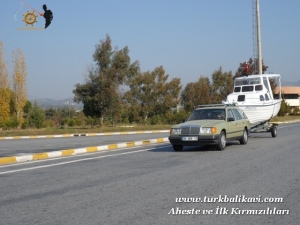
230 119
183 120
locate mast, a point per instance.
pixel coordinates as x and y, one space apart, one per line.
259 56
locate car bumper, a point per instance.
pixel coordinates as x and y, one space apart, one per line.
202 140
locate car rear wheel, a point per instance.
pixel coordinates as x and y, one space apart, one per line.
244 139
222 141
177 148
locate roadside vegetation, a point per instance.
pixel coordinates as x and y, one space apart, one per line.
287 113
116 96
286 118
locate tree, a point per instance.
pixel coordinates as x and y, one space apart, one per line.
284 108
50 113
27 107
36 116
19 83
222 85
150 94
196 93
99 94
4 89
252 68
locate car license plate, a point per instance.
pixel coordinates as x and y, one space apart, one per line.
189 138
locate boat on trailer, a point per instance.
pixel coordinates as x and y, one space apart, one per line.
253 94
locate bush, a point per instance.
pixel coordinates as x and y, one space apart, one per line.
126 121
296 111
156 120
64 122
49 123
25 125
90 121
12 123
78 122
284 108
176 117
71 123
107 123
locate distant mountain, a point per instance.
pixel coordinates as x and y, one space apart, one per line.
46 103
288 83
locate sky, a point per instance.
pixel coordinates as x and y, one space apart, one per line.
189 38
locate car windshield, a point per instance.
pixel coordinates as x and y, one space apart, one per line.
207 114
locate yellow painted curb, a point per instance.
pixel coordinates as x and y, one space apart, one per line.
8 160
83 135
69 152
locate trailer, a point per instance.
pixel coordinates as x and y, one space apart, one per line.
266 126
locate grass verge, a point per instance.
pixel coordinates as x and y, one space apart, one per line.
285 118
80 130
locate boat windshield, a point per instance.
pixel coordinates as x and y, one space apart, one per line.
207 114
247 81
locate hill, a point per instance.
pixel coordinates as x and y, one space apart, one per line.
47 103
289 83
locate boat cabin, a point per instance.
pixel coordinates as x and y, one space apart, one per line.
253 88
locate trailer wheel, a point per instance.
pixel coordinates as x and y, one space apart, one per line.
274 131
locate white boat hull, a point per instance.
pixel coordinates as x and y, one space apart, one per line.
258 113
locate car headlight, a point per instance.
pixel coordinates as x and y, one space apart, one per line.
208 130
175 131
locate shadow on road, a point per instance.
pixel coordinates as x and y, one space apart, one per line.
203 148
261 135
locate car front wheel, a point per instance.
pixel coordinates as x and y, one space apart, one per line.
244 139
222 141
177 148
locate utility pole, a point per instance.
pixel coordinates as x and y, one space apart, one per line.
259 56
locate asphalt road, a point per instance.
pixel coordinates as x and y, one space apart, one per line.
140 185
